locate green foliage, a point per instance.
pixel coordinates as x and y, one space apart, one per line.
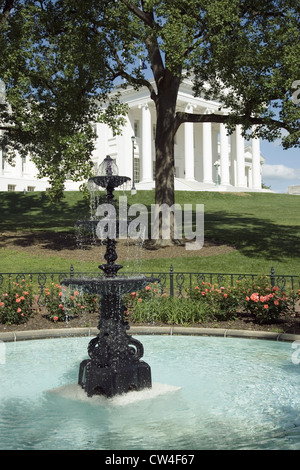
61 303
202 303
221 303
16 302
148 306
266 303
54 70
211 302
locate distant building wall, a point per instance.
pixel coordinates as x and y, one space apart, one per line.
294 190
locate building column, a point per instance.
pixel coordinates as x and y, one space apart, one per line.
224 155
189 147
146 145
256 173
240 157
207 152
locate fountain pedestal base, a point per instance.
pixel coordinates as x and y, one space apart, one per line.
108 381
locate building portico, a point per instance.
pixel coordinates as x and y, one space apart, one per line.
206 157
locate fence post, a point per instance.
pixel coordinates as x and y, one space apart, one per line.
171 281
272 277
71 271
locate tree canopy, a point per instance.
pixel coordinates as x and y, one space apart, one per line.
60 60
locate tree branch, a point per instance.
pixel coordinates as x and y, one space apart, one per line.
147 18
9 4
121 72
182 117
156 61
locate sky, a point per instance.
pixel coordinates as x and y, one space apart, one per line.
281 168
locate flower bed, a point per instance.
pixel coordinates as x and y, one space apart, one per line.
18 303
203 302
206 302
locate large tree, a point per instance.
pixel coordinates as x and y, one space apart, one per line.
54 69
61 58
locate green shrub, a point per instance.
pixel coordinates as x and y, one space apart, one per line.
148 306
16 302
267 303
220 302
62 303
259 298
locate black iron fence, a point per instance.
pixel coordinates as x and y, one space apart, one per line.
171 282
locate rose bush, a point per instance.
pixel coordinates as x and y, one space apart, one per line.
220 302
267 303
62 303
16 302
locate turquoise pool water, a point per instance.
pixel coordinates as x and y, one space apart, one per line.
208 393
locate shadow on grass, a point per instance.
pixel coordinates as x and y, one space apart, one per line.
35 211
56 241
254 237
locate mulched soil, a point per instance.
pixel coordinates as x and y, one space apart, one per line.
67 246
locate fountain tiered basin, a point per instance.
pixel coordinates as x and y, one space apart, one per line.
115 364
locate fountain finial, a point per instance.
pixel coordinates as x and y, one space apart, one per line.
108 176
108 167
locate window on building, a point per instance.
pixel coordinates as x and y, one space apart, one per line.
30 189
137 174
136 128
11 187
94 127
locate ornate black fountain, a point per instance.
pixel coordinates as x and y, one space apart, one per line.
114 366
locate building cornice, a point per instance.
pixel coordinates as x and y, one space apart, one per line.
134 98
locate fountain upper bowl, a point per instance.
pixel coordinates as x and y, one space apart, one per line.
108 285
109 181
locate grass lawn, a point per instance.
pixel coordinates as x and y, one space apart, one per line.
264 228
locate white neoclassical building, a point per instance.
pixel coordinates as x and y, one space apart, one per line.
206 158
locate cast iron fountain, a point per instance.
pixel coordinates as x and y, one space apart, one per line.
114 366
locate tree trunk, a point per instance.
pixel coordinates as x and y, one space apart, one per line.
164 147
164 139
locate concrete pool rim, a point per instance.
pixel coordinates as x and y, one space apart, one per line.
22 335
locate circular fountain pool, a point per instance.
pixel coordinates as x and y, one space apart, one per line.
208 393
